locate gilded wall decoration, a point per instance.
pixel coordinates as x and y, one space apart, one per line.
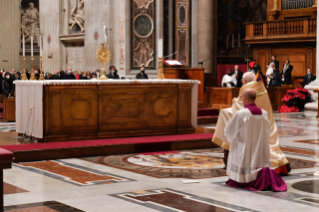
143 33
182 31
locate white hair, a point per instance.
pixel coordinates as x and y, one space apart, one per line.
249 77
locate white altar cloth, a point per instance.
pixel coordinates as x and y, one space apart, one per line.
29 99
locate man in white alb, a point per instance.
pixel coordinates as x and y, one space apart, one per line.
248 132
229 80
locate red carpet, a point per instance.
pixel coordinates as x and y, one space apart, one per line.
103 142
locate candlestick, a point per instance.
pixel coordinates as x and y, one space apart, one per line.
32 69
23 45
24 76
40 45
41 70
160 48
31 46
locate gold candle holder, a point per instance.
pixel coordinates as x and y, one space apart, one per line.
24 76
32 69
41 70
103 56
160 74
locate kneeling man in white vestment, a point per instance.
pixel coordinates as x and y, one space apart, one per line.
277 157
248 132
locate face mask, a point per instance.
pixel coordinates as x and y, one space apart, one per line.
308 73
113 72
69 72
88 77
8 77
229 74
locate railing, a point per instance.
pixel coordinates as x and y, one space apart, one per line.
282 27
296 4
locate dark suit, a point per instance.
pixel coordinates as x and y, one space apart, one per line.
287 75
141 76
306 80
69 77
276 81
113 76
276 64
239 78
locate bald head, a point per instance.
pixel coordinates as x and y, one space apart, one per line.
248 96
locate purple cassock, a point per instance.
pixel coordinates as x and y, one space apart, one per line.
266 177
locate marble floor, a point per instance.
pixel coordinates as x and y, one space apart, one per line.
152 182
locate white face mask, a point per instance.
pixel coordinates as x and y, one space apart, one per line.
70 72
8 77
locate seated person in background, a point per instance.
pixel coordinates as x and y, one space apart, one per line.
142 74
277 157
36 74
77 75
249 157
94 76
18 75
13 74
27 74
286 73
68 75
88 75
57 75
83 76
229 80
308 78
238 75
113 73
275 78
252 67
50 76
7 86
270 71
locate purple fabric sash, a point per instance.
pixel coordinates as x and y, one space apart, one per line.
266 177
254 109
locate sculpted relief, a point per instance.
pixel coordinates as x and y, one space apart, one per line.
77 15
30 23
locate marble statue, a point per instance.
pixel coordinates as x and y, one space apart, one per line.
77 15
30 23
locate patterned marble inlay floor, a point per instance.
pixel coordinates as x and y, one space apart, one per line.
152 182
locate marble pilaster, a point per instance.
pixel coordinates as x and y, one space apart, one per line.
206 28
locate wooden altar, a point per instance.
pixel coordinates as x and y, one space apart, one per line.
76 110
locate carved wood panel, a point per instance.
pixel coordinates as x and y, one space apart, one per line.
84 112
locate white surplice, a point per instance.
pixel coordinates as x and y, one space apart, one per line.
229 79
249 151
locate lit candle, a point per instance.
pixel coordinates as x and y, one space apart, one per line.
160 48
40 45
31 46
23 45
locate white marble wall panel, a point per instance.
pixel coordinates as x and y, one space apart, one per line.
50 21
75 58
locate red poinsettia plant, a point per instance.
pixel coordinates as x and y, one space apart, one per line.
295 100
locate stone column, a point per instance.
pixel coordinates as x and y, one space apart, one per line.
314 84
207 34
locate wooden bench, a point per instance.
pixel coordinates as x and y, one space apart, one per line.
9 109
